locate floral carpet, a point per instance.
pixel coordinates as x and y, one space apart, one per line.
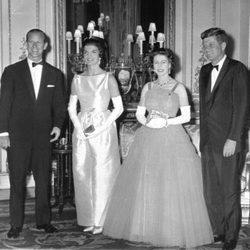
71 236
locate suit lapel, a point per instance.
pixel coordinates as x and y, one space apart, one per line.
207 83
43 82
221 75
28 79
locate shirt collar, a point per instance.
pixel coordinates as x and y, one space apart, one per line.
30 62
220 63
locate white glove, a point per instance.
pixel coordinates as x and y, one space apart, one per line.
116 112
73 116
183 118
140 114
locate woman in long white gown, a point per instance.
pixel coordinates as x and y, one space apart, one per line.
96 159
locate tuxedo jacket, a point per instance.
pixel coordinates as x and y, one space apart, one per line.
27 118
224 111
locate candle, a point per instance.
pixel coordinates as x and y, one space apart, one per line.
161 39
138 29
100 23
107 19
152 27
129 40
140 39
77 36
69 38
80 27
152 40
90 28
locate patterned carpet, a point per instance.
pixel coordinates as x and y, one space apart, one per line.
71 236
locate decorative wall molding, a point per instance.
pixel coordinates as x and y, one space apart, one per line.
9 36
59 34
38 13
169 21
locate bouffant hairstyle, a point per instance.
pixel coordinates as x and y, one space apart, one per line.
165 52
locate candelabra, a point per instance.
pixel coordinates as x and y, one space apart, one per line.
138 64
75 57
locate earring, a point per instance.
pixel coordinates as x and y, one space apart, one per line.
100 60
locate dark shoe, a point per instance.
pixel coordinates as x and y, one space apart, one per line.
14 232
219 238
48 228
229 245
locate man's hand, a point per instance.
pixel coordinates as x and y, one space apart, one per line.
229 148
4 142
56 133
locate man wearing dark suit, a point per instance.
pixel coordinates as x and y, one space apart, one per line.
223 117
32 108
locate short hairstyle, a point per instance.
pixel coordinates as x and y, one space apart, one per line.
220 34
165 52
36 31
100 44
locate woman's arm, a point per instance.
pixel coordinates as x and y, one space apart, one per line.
184 107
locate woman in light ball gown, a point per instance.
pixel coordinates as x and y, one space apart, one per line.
158 194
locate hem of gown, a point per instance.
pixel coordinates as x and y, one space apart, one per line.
153 244
205 242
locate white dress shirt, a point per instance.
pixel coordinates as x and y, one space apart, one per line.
36 74
216 72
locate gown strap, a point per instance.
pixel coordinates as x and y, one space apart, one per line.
173 89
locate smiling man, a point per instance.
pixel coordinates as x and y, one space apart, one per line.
32 108
223 116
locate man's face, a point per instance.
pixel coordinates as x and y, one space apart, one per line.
36 46
214 51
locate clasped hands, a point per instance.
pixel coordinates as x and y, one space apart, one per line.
157 119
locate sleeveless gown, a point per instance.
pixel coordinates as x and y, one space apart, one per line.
158 194
96 161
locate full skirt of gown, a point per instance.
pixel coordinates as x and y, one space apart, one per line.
158 194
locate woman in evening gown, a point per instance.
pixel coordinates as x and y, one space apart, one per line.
158 195
96 159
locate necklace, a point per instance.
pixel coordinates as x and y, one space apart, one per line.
163 84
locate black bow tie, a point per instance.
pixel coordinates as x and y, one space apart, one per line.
39 63
216 67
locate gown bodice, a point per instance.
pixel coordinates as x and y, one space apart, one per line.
162 100
93 92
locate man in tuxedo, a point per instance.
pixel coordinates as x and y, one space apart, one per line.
223 119
32 108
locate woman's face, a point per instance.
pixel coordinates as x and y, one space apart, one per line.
91 55
161 65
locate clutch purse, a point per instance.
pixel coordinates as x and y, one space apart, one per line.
89 129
